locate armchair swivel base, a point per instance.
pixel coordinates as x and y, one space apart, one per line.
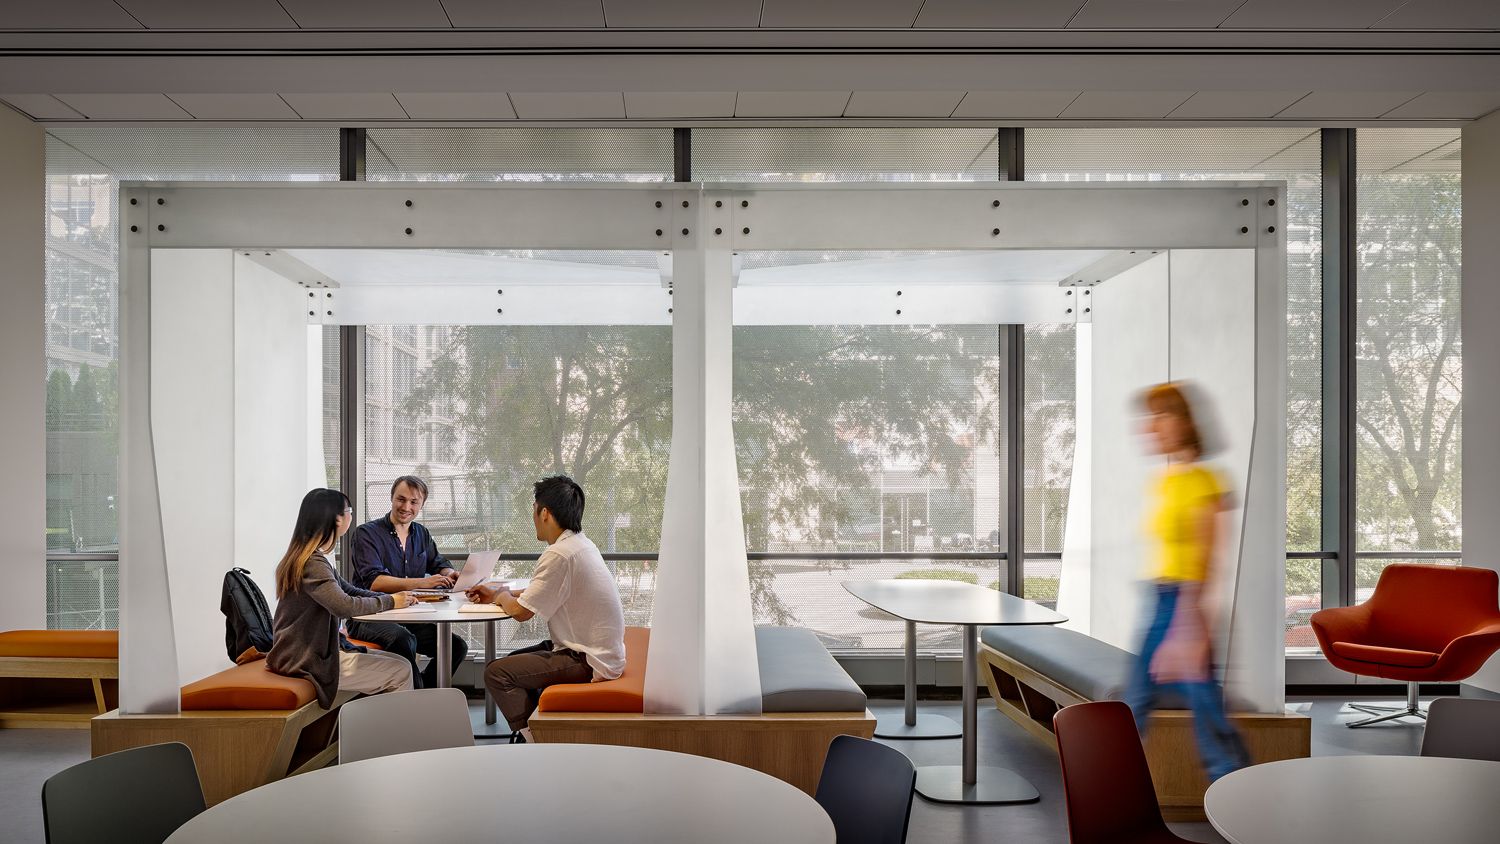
1390 713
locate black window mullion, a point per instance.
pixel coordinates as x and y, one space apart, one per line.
1340 260
351 368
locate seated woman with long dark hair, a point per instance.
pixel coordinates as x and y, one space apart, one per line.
313 599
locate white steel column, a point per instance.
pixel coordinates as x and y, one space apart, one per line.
148 674
24 377
703 657
1481 348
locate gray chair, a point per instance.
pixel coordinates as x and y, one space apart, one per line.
866 789
141 796
403 722
1463 728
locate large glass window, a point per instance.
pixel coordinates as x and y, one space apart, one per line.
507 405
1294 155
1050 423
877 440
1407 348
84 169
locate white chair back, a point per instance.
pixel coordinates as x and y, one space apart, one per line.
403 722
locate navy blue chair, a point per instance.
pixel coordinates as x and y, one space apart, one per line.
866 788
141 796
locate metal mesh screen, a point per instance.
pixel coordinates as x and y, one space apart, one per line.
482 412
871 440
1409 379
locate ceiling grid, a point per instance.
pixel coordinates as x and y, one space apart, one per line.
755 62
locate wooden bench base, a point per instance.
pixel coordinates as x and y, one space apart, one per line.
235 750
56 693
1031 700
789 746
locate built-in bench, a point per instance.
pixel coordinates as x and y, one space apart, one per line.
1034 671
806 700
57 678
245 725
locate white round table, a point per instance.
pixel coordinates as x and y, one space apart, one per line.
531 792
1368 799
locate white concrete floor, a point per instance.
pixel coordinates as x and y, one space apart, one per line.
28 757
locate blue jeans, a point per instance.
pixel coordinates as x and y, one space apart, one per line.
1219 744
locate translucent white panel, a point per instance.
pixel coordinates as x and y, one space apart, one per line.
829 155
519 154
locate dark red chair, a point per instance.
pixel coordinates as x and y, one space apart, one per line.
1424 624
1107 785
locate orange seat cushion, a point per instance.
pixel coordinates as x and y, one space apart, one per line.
625 694
248 686
66 644
362 643
1385 656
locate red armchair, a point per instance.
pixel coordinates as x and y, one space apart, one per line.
1424 624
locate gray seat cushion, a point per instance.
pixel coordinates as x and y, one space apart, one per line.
797 674
1094 669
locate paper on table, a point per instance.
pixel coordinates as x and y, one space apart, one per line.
481 608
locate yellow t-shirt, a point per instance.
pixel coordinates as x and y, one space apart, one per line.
1179 499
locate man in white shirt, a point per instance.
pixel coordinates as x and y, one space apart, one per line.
574 592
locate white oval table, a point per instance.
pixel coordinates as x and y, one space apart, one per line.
1368 799
531 792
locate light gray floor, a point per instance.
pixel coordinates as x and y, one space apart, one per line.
28 757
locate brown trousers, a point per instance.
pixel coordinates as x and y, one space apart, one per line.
516 681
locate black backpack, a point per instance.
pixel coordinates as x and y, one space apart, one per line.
247 618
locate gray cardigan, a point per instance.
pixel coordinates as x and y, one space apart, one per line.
305 633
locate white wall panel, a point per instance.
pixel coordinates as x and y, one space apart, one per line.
1130 353
23 378
1481 308
1213 348
703 655
192 411
1074 587
270 419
